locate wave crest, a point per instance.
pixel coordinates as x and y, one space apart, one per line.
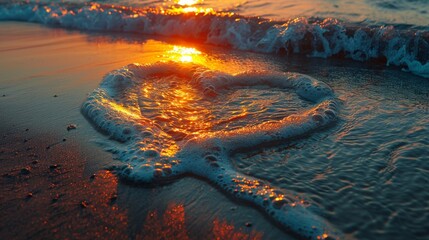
313 37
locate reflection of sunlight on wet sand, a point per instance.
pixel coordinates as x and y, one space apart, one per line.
172 225
155 50
223 230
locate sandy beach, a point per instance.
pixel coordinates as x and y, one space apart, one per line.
54 183
57 183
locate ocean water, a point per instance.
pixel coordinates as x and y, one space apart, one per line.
402 43
332 144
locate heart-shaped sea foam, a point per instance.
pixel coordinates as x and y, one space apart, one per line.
169 132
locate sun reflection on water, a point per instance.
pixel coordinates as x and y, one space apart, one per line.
177 108
188 2
185 54
189 6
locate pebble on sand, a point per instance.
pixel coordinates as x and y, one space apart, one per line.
54 166
26 171
55 199
83 204
71 127
113 197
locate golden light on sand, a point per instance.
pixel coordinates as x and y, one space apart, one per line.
185 54
172 225
323 236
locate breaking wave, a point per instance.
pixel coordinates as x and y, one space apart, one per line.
407 48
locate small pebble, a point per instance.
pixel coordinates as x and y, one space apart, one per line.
35 162
55 95
29 195
55 199
25 140
25 171
92 176
113 197
52 167
64 139
48 147
233 208
71 127
83 204
249 224
4 95
27 129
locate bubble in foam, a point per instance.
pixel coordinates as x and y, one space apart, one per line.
156 153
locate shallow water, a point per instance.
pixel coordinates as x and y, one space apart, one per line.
365 174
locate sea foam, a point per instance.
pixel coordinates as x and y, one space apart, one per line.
151 152
313 37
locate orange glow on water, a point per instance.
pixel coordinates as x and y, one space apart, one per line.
188 2
185 54
178 112
197 10
124 110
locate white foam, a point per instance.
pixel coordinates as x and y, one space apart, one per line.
324 38
151 155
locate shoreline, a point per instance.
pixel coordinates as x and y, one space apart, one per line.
53 181
39 63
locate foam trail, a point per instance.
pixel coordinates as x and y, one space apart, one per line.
313 37
151 154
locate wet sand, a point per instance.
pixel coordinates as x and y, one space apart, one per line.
344 171
54 182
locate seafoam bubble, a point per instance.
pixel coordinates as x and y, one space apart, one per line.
156 153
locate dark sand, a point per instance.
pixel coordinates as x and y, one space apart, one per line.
53 182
